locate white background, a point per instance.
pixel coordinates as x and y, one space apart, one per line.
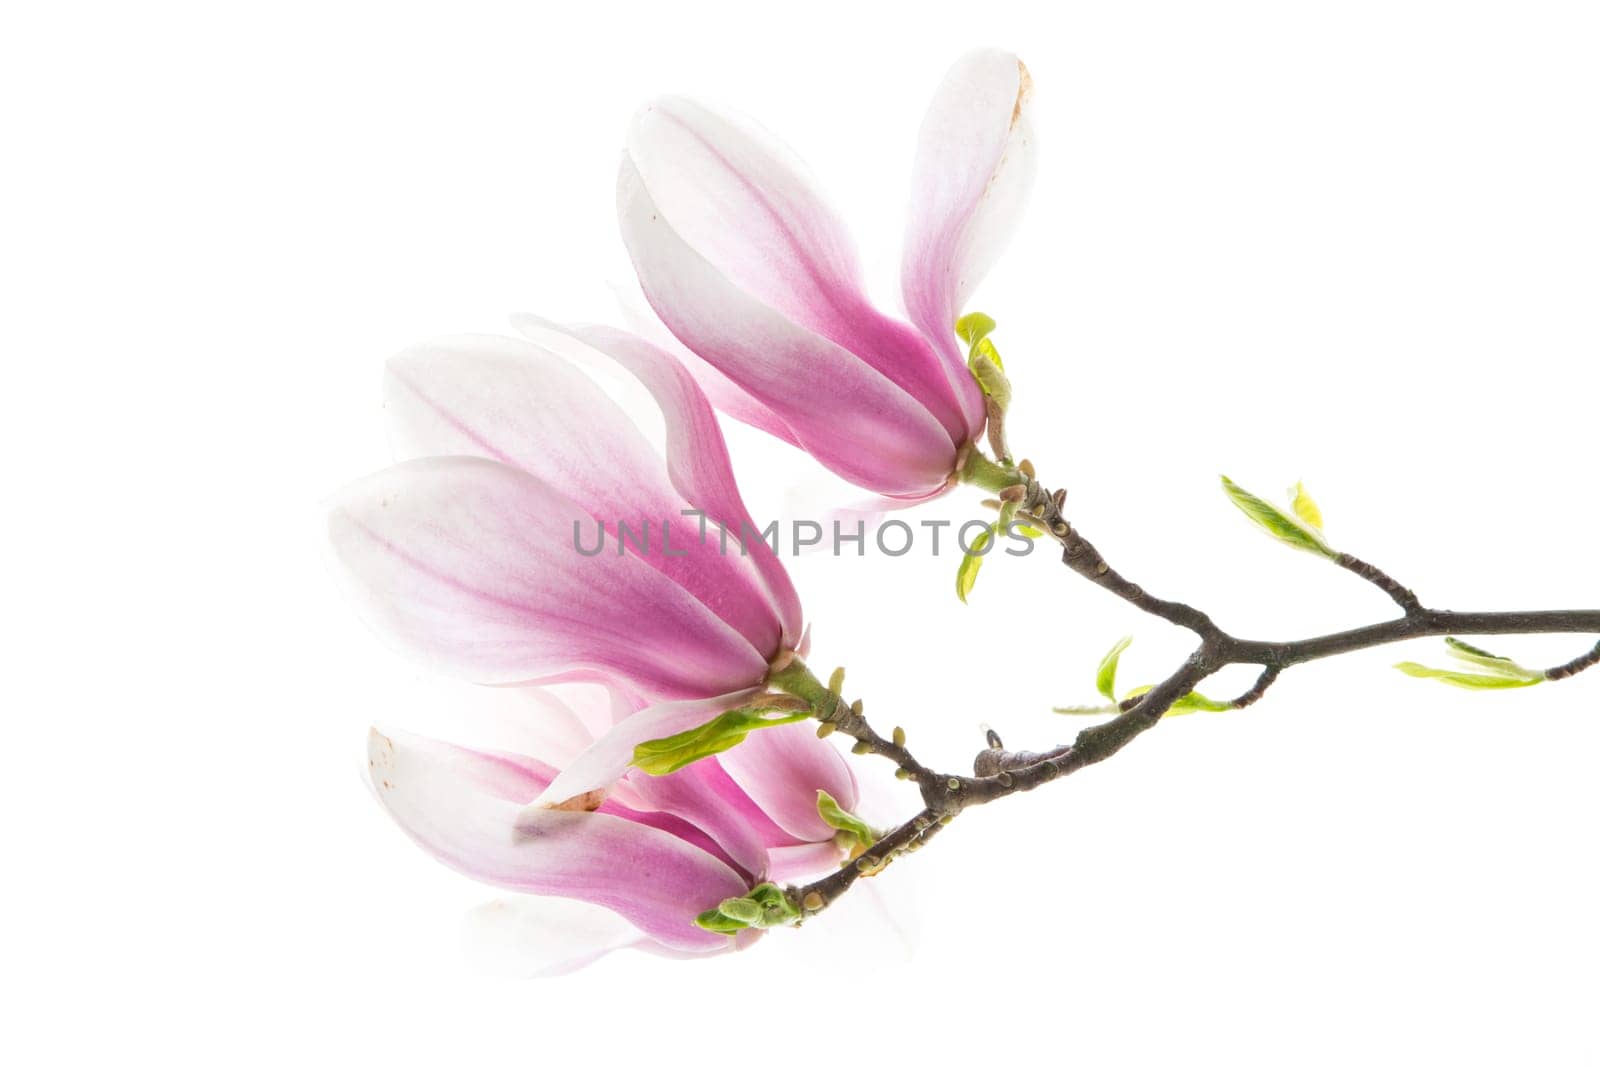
1351 243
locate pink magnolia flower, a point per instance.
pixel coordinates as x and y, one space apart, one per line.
747 265
473 554
657 851
466 555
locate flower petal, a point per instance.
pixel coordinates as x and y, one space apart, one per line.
974 168
514 401
745 202
449 801
782 768
850 417
692 794
471 566
725 395
795 863
697 458
609 758
540 937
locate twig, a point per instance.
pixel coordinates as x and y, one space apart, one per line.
1582 663
1000 773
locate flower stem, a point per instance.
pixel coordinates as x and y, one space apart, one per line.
985 473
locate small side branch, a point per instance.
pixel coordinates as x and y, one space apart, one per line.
1398 593
1582 663
1257 691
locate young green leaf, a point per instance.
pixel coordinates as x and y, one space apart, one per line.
1192 702
974 327
667 754
1465 680
967 572
1187 704
983 360
1490 662
1105 679
836 817
1287 530
1305 508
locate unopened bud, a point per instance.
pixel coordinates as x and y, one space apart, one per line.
836 681
813 901
861 748
743 909
899 736
825 729
1026 467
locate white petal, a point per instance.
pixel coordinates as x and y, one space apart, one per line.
974 169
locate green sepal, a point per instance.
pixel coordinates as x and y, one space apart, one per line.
1289 531
841 820
718 923
763 907
1105 679
667 754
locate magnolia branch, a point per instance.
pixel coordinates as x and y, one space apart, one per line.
999 773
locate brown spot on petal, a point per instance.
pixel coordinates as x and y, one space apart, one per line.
1024 90
582 802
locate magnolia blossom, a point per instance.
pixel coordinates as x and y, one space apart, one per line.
657 851
466 554
745 263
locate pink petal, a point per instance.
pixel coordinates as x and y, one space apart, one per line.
514 401
782 768
798 863
609 758
741 199
692 794
974 168
449 801
849 416
470 565
725 395
697 459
